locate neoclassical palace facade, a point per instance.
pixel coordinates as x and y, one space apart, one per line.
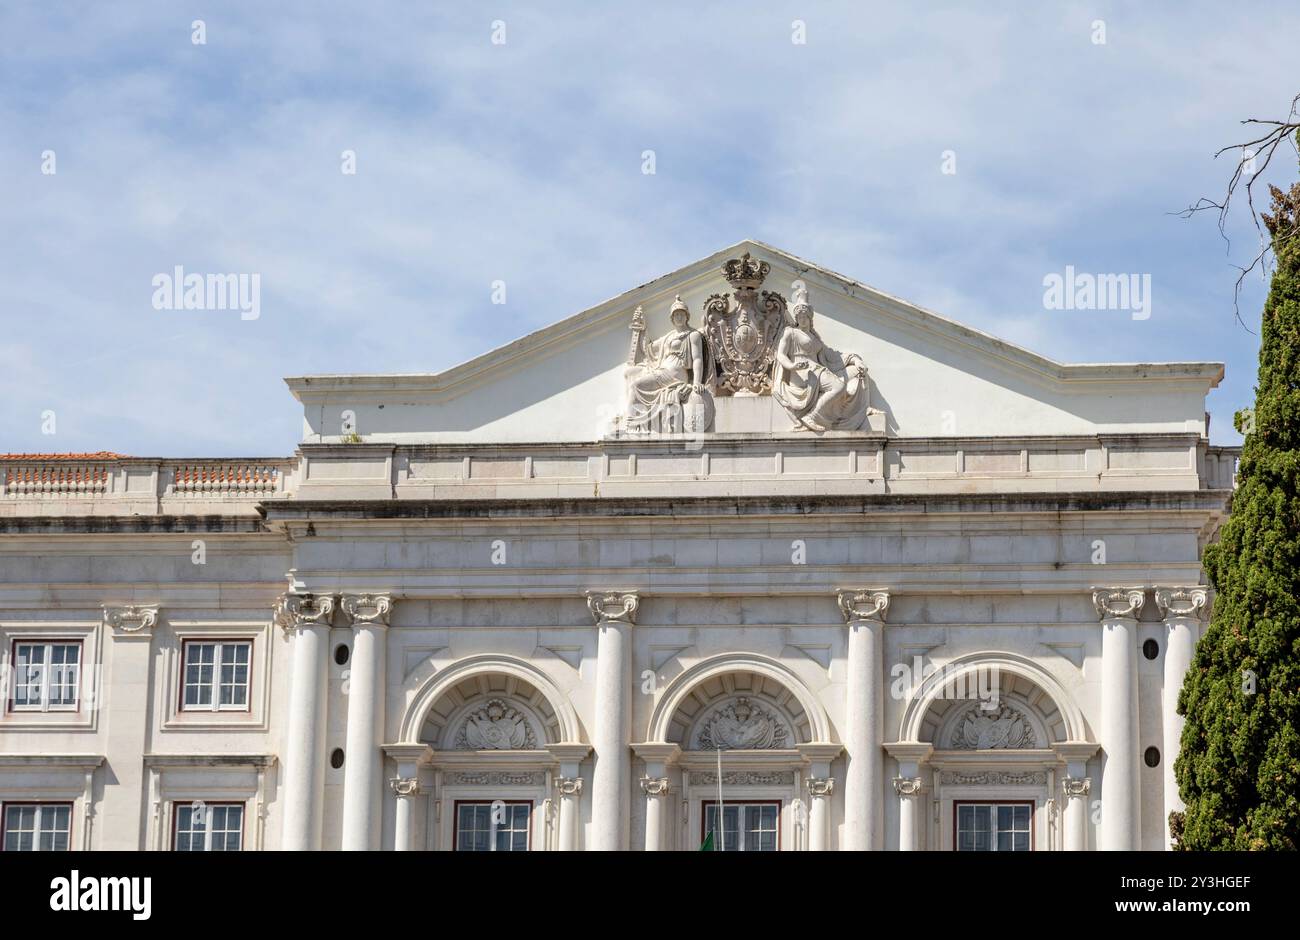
751 557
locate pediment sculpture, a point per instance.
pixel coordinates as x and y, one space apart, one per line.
743 724
666 377
496 726
752 344
821 388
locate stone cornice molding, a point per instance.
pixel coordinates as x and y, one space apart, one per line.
613 606
367 609
1191 602
131 620
295 611
860 605
1118 603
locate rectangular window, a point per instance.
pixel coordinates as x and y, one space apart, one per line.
47 675
746 827
209 827
215 676
37 827
497 826
994 827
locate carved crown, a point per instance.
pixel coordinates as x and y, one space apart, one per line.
745 272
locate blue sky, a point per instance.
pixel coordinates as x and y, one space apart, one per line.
522 162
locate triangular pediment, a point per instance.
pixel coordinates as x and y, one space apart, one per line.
927 375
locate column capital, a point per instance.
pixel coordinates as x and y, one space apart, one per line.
1118 603
405 786
863 604
907 786
613 606
1076 786
131 620
820 787
1191 602
295 611
367 609
655 786
569 786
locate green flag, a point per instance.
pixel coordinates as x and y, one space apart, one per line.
707 844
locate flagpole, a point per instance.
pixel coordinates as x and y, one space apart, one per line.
722 828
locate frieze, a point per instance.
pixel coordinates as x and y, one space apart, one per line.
497 778
744 778
991 778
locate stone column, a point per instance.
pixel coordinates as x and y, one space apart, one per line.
406 787
656 786
306 619
615 614
126 727
1120 799
568 786
864 820
909 786
1077 787
1182 610
363 767
820 785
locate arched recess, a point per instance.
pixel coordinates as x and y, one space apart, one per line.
719 679
447 695
1028 690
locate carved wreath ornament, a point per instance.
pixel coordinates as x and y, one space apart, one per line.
979 730
496 727
742 724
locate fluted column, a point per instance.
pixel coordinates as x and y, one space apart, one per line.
1120 798
306 618
1182 610
615 614
363 770
864 820
568 787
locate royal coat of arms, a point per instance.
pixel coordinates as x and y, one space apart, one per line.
743 330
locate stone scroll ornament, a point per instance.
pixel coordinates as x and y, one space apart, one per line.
821 389
743 331
666 378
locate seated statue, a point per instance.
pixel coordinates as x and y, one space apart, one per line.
665 391
822 389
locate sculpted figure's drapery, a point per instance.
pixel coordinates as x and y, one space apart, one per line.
752 345
665 391
821 388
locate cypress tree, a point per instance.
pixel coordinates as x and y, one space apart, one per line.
1239 767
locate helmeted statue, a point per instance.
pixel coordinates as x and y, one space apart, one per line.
666 390
822 389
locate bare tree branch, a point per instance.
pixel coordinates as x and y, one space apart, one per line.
1255 156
